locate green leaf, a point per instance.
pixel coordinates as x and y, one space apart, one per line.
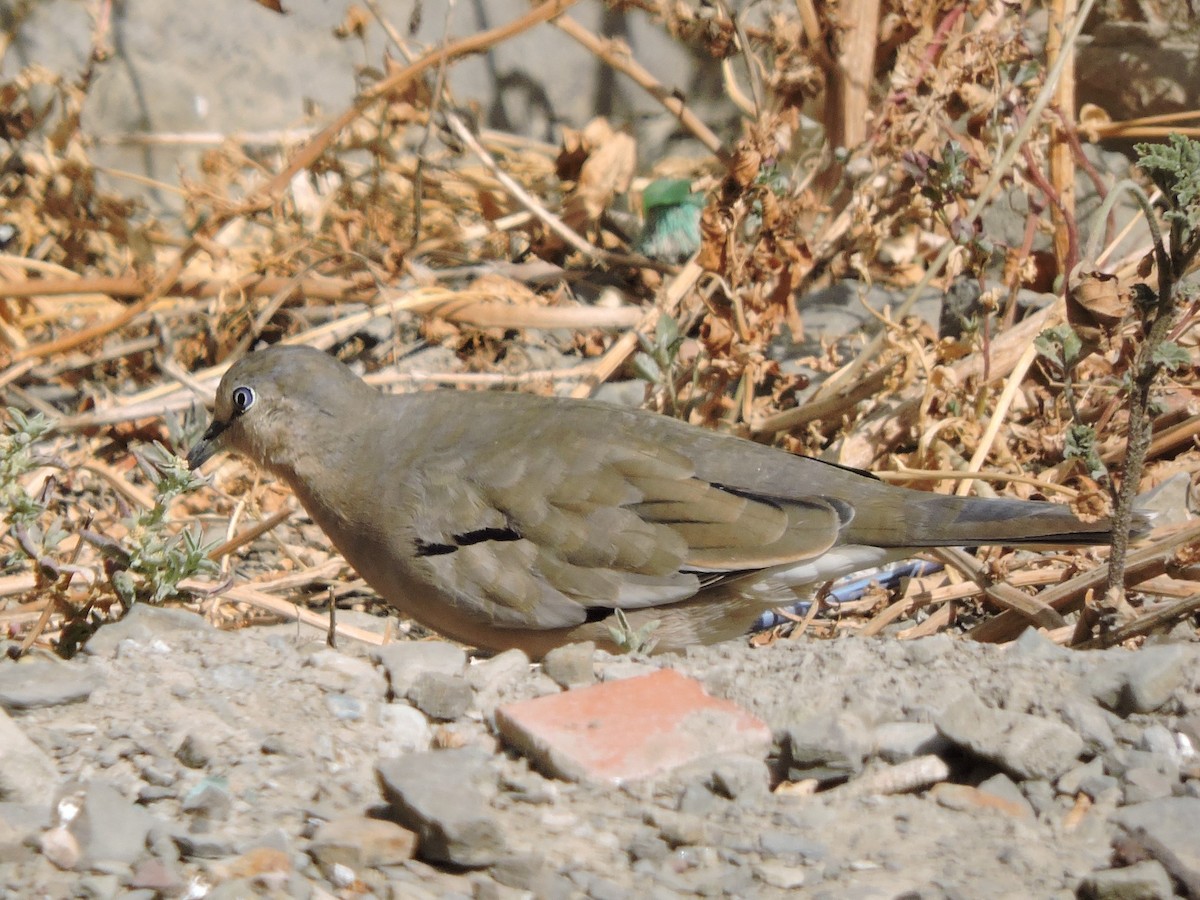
1175 168
646 368
1060 344
1171 356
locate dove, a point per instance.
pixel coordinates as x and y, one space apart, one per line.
511 520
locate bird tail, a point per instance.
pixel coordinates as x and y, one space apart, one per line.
935 520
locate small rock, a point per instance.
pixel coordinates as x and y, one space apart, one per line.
1142 783
432 794
209 800
898 741
196 751
1142 681
1091 723
1157 738
1025 746
440 696
1166 831
204 845
928 650
572 664
344 707
107 826
143 624
360 843
266 865
60 847
1000 785
405 660
27 774
40 684
156 875
778 875
619 668
1146 880
742 778
679 829
965 798
407 730
499 672
827 747
1071 782
777 842
347 674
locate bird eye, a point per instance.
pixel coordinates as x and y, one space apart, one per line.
242 398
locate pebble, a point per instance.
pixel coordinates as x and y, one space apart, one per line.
27 774
434 795
1143 783
344 707
440 696
1033 644
571 665
742 778
359 843
1143 681
779 875
1091 723
1146 880
209 800
405 660
406 730
499 672
1000 785
826 747
196 751
40 684
107 826
1071 782
141 625
1025 746
897 741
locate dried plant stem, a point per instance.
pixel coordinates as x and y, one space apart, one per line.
999 171
1156 620
1036 611
1062 160
1148 562
522 196
617 55
1011 386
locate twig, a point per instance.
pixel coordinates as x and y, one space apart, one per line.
1149 562
1003 595
617 55
1155 620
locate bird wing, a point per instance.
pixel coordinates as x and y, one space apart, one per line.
548 533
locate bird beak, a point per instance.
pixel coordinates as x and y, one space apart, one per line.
207 445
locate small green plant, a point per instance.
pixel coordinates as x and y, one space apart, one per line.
147 565
633 640
17 459
1175 167
154 561
656 362
1063 348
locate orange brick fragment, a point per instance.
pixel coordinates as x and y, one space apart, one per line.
627 730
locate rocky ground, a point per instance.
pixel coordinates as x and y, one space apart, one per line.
175 760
